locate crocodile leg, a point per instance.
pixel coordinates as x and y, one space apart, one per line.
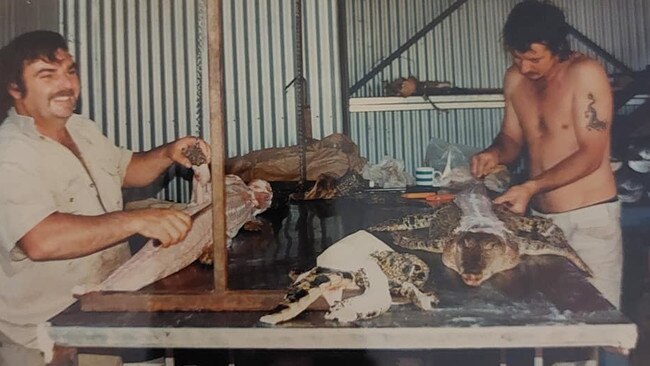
536 247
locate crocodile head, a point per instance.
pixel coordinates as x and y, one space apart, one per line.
476 256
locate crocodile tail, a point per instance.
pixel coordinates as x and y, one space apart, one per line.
409 222
410 240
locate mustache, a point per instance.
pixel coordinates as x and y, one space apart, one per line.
63 93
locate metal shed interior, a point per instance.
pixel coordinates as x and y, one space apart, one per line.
144 66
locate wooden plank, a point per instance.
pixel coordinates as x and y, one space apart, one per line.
470 101
433 98
241 300
423 105
380 104
227 301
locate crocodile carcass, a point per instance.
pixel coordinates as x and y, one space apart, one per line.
358 261
478 239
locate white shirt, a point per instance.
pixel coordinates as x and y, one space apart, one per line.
39 176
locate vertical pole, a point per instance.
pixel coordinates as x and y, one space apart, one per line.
342 28
503 357
539 357
169 357
217 118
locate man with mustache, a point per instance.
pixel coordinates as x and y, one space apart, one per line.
61 218
558 105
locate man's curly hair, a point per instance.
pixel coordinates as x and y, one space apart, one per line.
534 21
22 50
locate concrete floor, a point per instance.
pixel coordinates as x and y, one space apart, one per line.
636 278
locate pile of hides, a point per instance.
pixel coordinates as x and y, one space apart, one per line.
334 154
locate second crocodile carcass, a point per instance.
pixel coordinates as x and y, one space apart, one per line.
477 238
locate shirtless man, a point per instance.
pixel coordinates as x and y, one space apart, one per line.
558 104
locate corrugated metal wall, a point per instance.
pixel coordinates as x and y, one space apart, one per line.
466 50
259 64
18 17
620 27
143 67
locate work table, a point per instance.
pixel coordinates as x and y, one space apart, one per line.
544 302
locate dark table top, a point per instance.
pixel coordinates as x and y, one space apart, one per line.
545 301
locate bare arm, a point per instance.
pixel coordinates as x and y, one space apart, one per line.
145 167
508 143
65 236
592 116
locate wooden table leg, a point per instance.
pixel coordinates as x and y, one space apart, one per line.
539 357
64 356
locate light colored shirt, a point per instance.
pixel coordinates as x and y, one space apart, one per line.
39 176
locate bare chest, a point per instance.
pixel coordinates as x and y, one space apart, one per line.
544 113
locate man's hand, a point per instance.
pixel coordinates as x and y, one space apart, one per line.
517 197
176 150
483 163
168 226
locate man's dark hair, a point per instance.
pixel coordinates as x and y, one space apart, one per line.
534 21
26 48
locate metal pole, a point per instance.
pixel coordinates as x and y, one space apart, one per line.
600 51
421 33
343 64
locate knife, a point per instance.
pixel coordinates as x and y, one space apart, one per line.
157 242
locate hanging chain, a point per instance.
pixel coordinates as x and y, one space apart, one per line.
299 85
200 36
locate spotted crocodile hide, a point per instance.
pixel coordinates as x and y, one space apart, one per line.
387 273
478 239
329 186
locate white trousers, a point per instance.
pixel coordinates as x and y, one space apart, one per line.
595 234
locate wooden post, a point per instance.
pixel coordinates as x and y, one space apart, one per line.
217 118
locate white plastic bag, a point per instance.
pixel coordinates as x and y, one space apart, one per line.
388 173
451 160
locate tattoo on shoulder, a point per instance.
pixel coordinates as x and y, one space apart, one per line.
593 123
